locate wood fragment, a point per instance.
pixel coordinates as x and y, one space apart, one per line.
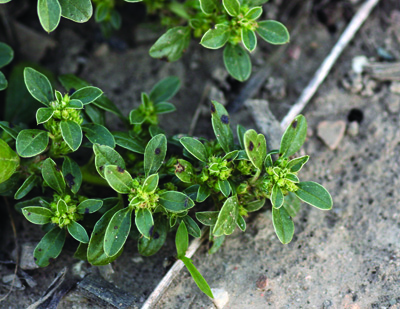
383 71
323 71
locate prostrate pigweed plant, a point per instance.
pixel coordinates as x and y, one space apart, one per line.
154 184
228 24
79 11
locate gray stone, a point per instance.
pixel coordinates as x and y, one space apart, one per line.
353 128
9 280
395 87
221 298
331 132
26 260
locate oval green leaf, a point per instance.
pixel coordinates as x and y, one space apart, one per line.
72 174
283 225
314 194
273 32
53 176
72 134
294 137
31 142
38 85
37 215
89 206
217 37
98 134
49 247
154 154
49 12
237 62
144 222
175 202
9 161
78 232
118 178
117 231
105 155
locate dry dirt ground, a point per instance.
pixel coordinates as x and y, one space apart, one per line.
348 257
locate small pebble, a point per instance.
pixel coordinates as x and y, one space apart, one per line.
395 87
358 64
137 259
331 132
8 279
262 282
221 298
27 261
353 128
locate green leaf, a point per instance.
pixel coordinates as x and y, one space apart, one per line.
241 223
10 129
49 12
192 227
195 147
165 89
154 154
87 94
164 108
296 165
181 240
9 161
208 218
136 117
227 217
118 178
37 215
217 37
208 6
81 252
184 171
6 1
89 206
172 44
105 155
292 204
79 11
44 114
237 62
203 193
220 122
62 207
254 13
294 137
102 12
197 277
98 134
115 19
72 174
292 177
151 246
273 32
49 247
8 187
314 194
70 81
249 39
78 232
240 130
144 222
192 191
256 148
126 141
283 225
217 243
95 114
38 85
6 54
254 205
276 196
31 142
53 176
151 183
117 231
95 252
224 187
232 7
26 187
72 134
175 202
3 82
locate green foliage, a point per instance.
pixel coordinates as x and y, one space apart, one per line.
6 56
139 182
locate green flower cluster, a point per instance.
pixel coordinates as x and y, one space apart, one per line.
64 216
216 169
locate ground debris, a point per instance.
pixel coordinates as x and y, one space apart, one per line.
221 298
331 132
94 286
